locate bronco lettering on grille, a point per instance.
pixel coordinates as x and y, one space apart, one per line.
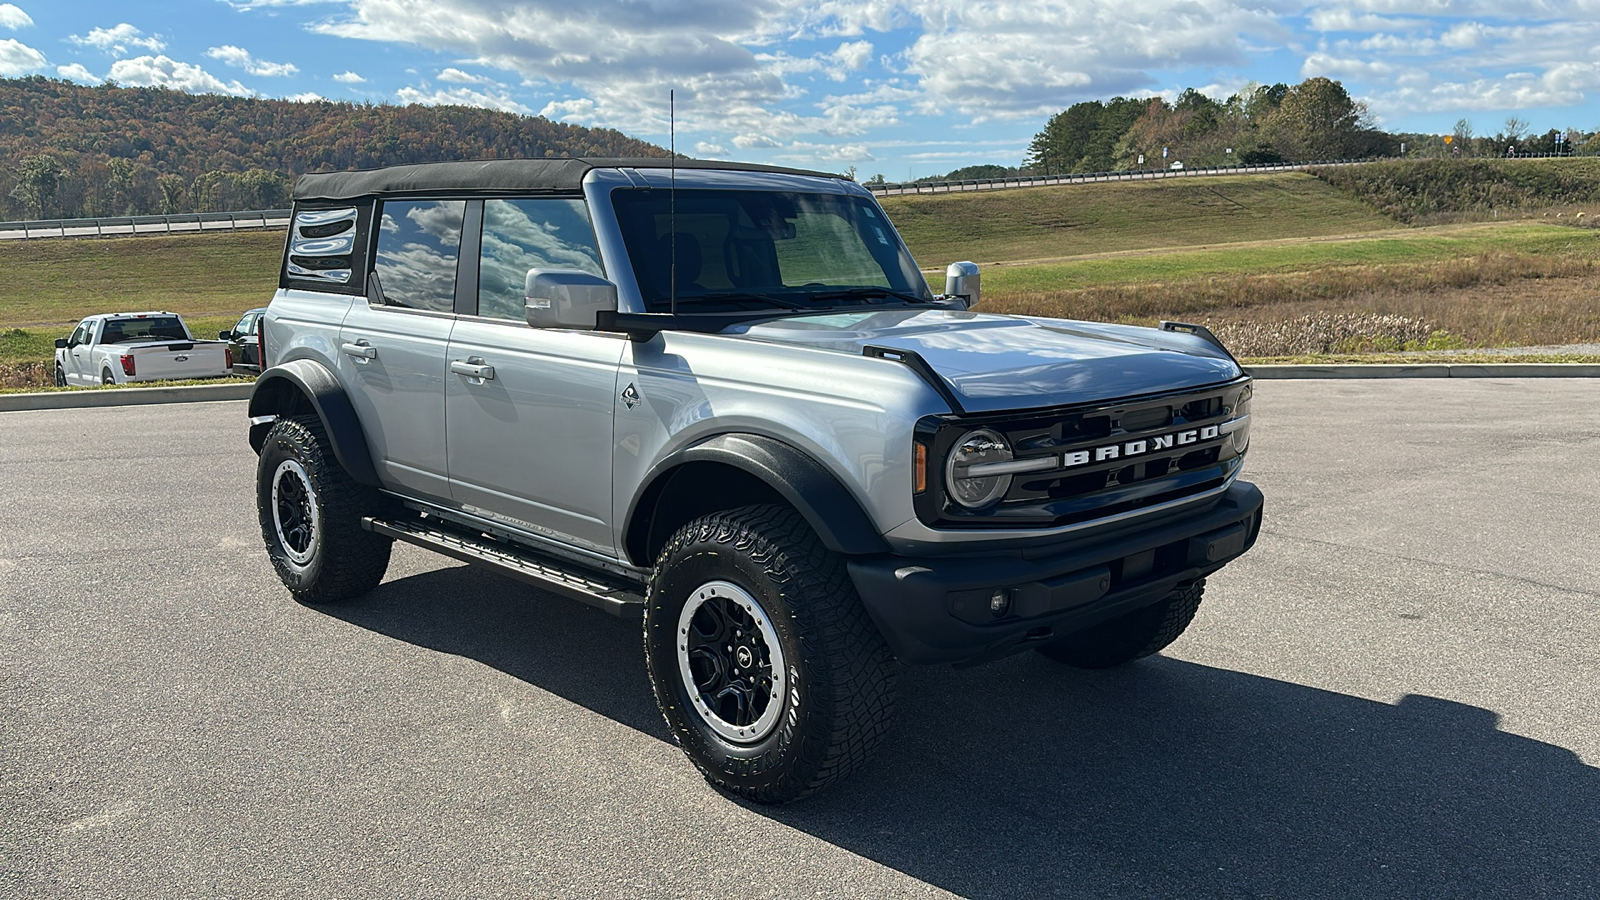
1140 447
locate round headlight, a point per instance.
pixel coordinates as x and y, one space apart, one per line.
1241 435
976 448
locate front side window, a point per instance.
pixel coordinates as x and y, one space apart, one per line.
725 246
536 233
418 243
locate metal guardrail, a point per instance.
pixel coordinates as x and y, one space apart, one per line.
112 226
1021 181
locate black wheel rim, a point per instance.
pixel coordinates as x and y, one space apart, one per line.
731 663
294 511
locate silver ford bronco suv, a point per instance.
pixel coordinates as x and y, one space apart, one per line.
722 398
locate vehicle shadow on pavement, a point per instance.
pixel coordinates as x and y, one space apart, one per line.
1164 778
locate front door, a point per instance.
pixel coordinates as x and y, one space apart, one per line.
528 410
78 364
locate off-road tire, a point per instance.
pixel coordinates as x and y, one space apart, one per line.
1131 636
337 558
838 685
61 377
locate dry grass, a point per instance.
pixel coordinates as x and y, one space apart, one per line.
1493 300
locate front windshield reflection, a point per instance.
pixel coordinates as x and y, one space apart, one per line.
719 250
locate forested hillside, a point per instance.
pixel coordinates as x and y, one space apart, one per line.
68 150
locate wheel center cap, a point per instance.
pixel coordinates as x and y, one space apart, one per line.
744 657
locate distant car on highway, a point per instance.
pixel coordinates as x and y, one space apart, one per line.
244 340
119 348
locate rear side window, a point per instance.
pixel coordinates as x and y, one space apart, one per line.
418 245
321 245
327 248
539 233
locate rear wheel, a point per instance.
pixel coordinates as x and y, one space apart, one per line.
106 377
1131 636
310 511
770 674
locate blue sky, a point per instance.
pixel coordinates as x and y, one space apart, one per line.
898 87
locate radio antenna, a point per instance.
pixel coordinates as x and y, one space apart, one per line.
672 199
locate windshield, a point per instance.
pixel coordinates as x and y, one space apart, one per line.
744 249
149 328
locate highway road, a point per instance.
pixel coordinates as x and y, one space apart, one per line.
1393 695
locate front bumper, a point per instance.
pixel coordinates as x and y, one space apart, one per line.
970 609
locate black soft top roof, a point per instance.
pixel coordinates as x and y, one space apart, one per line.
494 176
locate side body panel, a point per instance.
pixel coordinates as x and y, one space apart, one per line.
532 444
392 364
854 415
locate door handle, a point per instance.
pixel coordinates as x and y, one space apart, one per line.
471 369
360 350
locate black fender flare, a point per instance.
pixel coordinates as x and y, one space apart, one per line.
831 510
321 389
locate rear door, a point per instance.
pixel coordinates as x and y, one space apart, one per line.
529 410
392 353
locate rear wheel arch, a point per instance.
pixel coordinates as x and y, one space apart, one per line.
734 470
305 387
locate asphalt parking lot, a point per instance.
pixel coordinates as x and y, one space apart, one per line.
1395 694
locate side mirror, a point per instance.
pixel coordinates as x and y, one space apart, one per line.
61 343
224 335
962 280
568 298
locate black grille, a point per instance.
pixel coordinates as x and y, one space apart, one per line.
1107 459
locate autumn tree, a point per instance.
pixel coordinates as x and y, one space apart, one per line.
1317 119
39 177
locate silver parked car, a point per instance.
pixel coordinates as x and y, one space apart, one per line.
723 399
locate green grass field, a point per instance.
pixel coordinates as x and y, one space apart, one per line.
1407 247
1078 220
58 282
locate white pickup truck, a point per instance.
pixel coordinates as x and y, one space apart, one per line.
118 348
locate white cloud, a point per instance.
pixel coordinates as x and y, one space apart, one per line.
462 97
159 71
349 78
456 76
1464 36
1331 67
76 72
755 142
240 58
308 97
13 18
17 58
118 39
707 150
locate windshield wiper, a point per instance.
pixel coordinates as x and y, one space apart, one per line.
870 293
734 297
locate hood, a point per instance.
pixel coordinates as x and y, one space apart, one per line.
995 362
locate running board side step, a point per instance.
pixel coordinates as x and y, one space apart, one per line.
610 594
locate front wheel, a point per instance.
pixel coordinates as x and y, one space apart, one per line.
310 511
1129 636
61 376
769 672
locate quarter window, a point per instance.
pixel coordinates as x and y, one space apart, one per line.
418 243
538 233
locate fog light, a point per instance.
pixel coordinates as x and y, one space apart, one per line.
999 602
